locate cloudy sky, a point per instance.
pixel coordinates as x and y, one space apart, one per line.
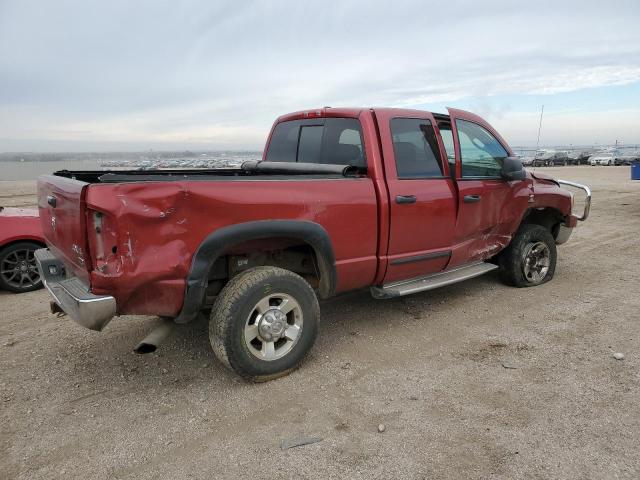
201 74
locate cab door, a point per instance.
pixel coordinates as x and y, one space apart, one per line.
421 195
486 203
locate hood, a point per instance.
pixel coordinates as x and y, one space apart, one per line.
544 177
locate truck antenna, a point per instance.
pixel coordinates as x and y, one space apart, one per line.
539 128
538 141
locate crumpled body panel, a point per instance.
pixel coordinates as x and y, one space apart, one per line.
148 232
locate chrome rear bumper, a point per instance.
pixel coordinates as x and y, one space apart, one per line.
72 295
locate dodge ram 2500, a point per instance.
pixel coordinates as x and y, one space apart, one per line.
394 200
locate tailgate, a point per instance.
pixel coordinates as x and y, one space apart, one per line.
62 215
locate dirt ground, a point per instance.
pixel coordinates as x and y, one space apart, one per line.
476 380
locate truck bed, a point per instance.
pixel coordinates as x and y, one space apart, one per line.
258 170
132 233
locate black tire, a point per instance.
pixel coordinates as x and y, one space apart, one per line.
234 308
512 261
19 256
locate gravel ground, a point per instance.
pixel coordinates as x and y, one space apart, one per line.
475 380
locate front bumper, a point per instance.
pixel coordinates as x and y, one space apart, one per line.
72 295
587 201
565 229
563 235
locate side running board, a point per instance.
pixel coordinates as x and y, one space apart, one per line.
429 282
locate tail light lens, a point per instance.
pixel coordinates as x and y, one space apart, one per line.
103 242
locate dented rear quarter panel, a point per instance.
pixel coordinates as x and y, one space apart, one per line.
156 227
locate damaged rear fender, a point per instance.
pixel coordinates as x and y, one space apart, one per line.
216 243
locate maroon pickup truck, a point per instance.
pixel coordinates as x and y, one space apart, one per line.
397 201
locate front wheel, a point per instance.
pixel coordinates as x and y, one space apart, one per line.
530 258
264 322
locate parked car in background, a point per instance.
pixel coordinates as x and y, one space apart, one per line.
579 157
560 158
20 236
527 160
583 157
548 158
542 158
626 158
602 158
574 157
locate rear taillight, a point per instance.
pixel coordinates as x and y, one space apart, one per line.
103 242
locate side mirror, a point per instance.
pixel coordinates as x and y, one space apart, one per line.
512 169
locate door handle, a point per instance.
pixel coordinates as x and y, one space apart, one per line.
472 198
406 199
51 200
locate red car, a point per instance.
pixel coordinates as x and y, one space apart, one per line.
20 236
397 201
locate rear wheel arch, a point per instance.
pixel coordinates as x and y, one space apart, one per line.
308 235
36 240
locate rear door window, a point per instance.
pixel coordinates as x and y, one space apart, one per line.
328 141
447 139
415 148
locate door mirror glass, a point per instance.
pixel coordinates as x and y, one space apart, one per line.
512 169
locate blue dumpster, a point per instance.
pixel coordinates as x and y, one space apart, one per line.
635 170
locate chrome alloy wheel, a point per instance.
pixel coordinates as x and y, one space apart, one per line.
273 326
19 269
537 259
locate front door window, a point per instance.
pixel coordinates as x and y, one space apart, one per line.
480 153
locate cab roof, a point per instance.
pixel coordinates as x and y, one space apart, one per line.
328 112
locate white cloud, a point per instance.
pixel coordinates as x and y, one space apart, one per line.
216 74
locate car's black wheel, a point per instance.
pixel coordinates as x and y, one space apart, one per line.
530 258
18 269
264 322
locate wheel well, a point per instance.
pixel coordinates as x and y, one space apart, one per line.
300 246
290 254
549 218
20 240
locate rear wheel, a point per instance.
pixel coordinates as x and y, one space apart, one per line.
18 270
530 258
264 322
